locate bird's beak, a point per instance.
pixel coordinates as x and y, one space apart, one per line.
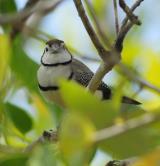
55 50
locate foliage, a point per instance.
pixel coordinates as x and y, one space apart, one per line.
23 120
8 7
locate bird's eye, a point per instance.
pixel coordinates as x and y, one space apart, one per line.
46 49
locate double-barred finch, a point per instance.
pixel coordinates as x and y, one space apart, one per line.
56 63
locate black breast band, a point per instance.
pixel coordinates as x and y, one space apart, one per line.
48 88
55 64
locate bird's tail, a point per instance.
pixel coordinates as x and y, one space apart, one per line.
129 100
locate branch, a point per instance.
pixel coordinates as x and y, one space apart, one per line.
128 125
140 88
107 56
132 76
126 162
50 136
30 3
121 35
131 16
43 37
98 76
125 28
26 12
135 5
116 16
112 57
98 27
33 6
81 11
19 23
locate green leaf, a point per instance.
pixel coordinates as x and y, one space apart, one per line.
23 66
75 139
45 155
17 160
19 117
7 6
4 58
134 142
78 99
43 114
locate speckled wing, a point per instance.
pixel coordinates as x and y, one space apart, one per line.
83 75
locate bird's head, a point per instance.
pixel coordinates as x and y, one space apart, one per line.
54 46
55 52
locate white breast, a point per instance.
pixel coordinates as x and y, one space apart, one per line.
49 76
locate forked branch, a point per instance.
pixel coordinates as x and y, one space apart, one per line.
133 18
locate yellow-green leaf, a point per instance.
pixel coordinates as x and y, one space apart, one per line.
15 159
78 99
130 52
152 158
5 50
134 142
43 114
76 135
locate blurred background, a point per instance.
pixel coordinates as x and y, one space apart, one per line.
18 82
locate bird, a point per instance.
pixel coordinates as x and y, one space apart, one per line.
56 63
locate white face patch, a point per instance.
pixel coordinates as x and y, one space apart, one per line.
57 46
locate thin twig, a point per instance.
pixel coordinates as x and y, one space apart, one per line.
137 79
135 5
50 136
116 16
131 16
96 80
30 3
37 34
87 58
81 11
121 36
96 22
126 162
19 23
11 18
43 37
127 126
42 8
108 60
140 88
125 28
